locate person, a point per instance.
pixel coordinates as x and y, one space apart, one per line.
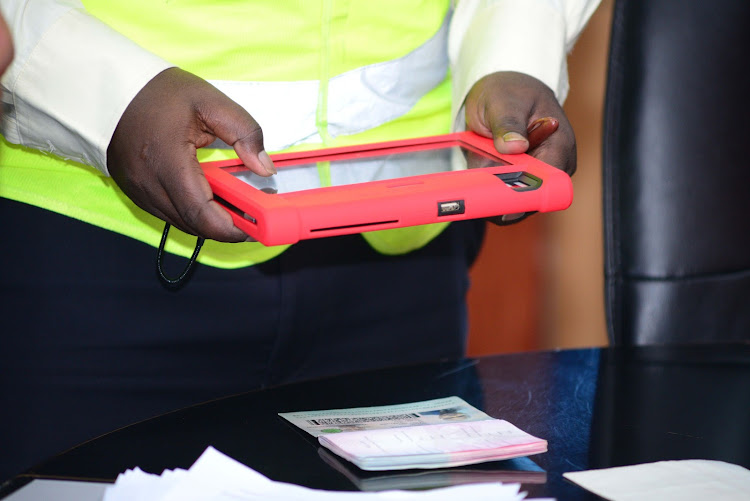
109 106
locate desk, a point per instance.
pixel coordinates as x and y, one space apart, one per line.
596 407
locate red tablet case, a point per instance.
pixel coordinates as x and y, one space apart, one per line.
512 184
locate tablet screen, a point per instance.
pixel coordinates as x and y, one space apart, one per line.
305 176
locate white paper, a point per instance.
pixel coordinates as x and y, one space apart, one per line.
688 480
137 484
217 477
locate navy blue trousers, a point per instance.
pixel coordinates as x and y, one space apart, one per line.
92 341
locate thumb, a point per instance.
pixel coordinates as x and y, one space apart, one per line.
509 134
237 128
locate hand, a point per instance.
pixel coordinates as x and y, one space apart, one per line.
152 154
522 115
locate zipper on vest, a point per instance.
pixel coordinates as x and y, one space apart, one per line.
321 114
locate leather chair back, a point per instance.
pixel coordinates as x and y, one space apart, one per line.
676 160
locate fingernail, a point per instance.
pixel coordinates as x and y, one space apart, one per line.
538 123
513 136
267 162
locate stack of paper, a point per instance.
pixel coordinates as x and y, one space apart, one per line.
433 446
216 477
432 434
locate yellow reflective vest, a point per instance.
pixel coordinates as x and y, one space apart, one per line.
310 63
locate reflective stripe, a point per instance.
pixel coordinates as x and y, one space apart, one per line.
358 100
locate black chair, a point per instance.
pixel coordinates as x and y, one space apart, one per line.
676 160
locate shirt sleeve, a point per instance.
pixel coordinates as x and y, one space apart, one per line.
71 79
527 36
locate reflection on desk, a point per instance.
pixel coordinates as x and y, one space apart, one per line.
595 407
517 470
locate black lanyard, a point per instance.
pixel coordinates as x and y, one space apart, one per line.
175 283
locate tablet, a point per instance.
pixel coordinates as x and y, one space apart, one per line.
377 186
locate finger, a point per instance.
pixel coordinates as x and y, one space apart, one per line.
557 150
237 128
541 129
508 219
193 208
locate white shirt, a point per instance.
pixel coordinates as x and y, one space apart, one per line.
64 94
